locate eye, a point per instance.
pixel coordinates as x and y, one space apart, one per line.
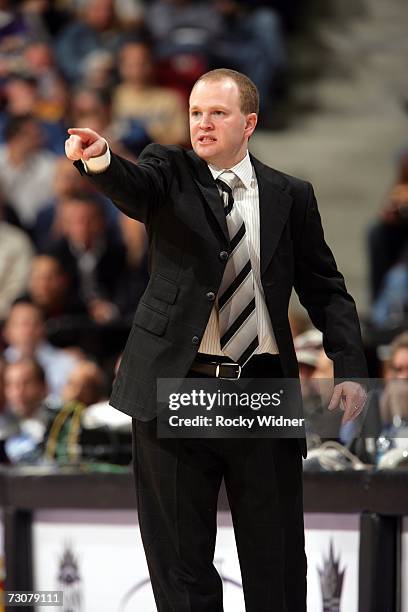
218 112
195 113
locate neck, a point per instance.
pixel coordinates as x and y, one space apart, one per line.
227 165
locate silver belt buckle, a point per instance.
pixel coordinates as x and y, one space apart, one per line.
226 363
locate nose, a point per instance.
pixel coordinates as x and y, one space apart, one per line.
205 122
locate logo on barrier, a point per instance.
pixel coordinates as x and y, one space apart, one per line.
331 582
69 581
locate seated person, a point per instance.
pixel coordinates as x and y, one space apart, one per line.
86 384
24 333
27 413
160 110
95 260
393 402
66 181
16 252
73 436
26 168
50 288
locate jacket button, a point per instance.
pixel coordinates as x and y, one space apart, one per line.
223 255
210 296
195 340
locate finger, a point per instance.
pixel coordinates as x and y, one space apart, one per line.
74 148
84 133
351 415
334 402
94 150
354 407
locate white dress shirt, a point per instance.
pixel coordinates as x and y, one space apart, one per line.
246 198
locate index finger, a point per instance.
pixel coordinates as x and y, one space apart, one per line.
79 131
84 133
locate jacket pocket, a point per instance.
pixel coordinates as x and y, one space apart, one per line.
151 320
164 289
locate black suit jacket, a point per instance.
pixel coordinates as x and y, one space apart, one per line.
173 192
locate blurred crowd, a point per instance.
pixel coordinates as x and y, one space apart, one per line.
72 268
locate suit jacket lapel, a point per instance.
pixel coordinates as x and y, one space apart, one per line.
274 207
274 203
206 184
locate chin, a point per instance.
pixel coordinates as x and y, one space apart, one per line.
206 154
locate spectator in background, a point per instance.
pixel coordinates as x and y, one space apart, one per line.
308 346
86 384
98 70
181 27
394 399
27 413
92 108
229 33
14 31
388 237
52 90
25 335
23 97
26 169
160 110
16 253
95 260
50 288
251 41
102 414
66 182
94 28
389 260
20 95
45 17
98 435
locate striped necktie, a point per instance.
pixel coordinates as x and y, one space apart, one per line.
236 297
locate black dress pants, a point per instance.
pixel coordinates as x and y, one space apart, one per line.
177 486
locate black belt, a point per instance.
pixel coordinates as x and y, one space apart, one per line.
217 366
223 369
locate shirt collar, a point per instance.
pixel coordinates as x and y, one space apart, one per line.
242 169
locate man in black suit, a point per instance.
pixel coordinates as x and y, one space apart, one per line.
186 326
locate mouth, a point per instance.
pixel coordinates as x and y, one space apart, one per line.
206 139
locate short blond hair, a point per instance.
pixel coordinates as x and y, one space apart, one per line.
248 92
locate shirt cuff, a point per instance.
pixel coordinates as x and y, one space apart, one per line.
96 165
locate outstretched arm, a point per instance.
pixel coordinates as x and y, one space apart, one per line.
136 189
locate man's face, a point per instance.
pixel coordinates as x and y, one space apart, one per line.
24 390
82 224
135 65
219 130
99 14
48 283
24 328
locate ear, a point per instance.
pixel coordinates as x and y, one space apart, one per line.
250 124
